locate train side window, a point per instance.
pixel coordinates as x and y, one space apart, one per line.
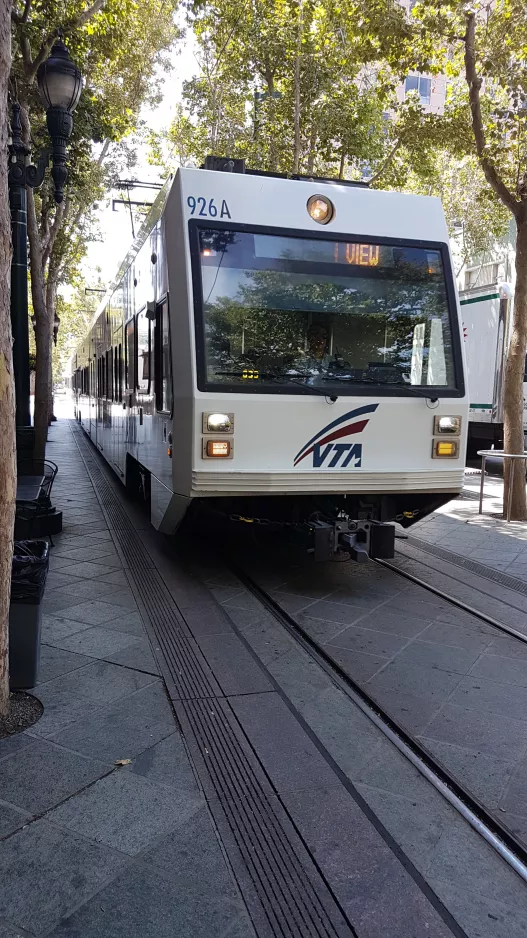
163 370
120 371
143 353
109 375
130 371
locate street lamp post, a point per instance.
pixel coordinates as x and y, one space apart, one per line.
60 85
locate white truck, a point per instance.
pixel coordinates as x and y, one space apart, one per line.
486 318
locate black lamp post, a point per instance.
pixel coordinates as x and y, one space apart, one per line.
60 85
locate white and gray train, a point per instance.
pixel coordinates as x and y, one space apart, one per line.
285 349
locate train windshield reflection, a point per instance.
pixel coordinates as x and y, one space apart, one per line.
332 315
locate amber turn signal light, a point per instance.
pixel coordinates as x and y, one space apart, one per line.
221 448
445 449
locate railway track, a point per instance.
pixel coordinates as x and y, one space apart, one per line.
480 818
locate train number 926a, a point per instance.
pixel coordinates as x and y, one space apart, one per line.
199 206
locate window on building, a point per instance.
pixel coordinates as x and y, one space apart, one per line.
422 85
481 276
163 360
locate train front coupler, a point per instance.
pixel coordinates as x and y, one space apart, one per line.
362 540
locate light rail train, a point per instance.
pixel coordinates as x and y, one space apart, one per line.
285 349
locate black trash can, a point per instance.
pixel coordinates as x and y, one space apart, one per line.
28 580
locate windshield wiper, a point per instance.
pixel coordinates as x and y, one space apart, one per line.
299 382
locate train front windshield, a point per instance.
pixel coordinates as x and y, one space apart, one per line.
286 313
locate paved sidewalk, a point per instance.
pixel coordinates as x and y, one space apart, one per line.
486 538
89 847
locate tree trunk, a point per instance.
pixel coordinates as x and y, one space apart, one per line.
7 394
51 305
296 151
42 332
312 149
513 385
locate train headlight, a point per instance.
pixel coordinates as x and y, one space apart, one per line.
221 449
447 425
218 423
320 209
445 449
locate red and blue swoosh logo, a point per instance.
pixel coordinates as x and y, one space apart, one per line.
335 430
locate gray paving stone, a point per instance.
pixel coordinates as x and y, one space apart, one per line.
268 640
394 622
486 776
11 744
443 657
503 670
514 798
482 915
347 734
94 612
306 586
55 661
100 682
50 774
115 578
382 644
322 630
361 667
94 552
138 655
55 628
167 762
140 903
342 613
289 757
233 666
412 712
355 597
386 769
478 693
56 579
61 707
126 811
371 885
6 931
506 647
243 600
96 642
461 856
485 732
46 873
130 622
87 569
10 820
123 598
429 683
446 633
417 827
109 736
59 600
412 604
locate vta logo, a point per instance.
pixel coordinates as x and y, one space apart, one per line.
329 454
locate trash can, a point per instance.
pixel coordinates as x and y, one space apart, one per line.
28 580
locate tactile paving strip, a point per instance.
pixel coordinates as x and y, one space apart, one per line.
288 896
504 579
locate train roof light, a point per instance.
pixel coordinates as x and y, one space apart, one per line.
321 209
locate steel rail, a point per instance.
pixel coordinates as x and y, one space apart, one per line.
502 841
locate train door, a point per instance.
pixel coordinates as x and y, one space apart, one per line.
119 456
108 406
130 381
143 384
101 394
92 427
163 392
